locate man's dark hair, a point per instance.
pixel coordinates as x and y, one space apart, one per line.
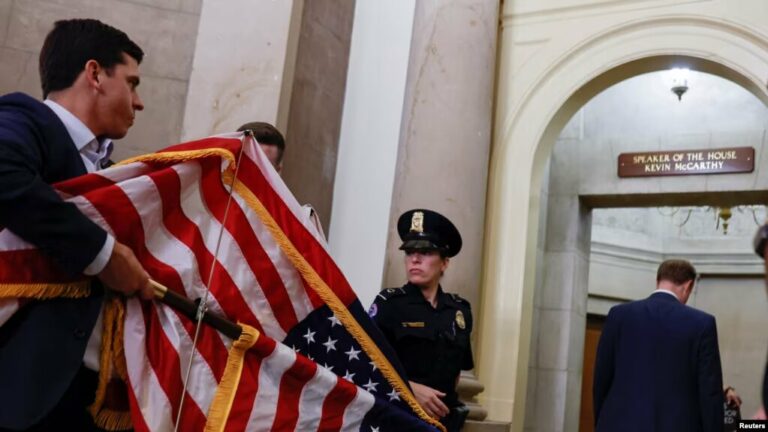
265 133
73 42
676 271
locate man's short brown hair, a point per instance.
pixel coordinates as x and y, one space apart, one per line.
266 134
676 271
73 42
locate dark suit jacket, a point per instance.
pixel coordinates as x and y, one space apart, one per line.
658 369
765 388
42 345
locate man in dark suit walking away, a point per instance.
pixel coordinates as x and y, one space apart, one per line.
658 362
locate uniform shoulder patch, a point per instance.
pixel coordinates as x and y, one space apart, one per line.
373 310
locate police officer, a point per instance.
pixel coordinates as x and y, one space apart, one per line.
428 328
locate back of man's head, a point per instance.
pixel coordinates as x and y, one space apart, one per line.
72 43
266 134
676 271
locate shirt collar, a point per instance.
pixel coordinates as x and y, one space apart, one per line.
667 292
443 299
78 131
413 292
95 150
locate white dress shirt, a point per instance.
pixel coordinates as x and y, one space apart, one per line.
95 154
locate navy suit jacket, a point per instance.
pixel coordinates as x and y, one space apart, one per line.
765 387
42 345
658 369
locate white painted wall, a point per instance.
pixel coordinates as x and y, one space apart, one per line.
370 130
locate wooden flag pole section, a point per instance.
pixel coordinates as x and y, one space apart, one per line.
189 309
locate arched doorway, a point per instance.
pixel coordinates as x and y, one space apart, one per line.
531 113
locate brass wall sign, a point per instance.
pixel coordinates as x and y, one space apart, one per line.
687 162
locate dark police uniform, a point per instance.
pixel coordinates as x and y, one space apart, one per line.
431 342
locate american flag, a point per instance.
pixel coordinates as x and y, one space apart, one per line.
214 215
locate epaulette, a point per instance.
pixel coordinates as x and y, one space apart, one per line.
389 293
458 299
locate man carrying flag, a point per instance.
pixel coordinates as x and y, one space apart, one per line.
49 353
211 219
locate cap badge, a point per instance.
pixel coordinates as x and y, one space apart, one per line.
417 222
460 320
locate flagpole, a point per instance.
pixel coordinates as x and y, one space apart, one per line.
190 308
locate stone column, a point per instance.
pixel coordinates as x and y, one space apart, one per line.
560 298
243 64
317 101
367 151
445 137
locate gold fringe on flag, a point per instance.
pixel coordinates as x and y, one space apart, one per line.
40 291
218 413
112 420
110 410
182 156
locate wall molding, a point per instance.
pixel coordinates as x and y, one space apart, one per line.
708 262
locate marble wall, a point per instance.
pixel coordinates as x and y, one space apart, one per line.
559 311
165 29
624 256
739 307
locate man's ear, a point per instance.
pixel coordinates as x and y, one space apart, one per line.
691 286
92 70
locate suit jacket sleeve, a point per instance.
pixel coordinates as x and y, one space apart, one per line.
32 209
604 362
710 377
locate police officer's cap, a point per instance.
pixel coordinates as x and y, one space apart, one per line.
422 229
